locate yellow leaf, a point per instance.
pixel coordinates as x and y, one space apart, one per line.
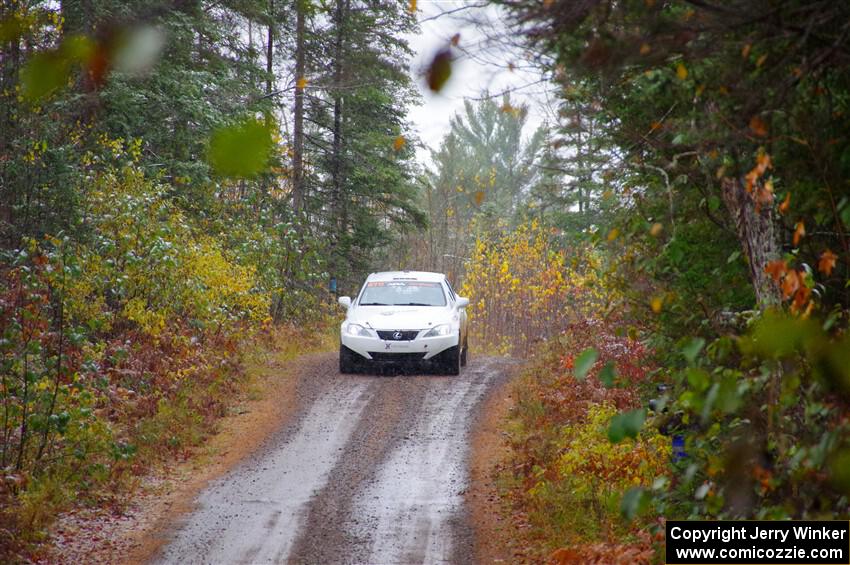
412 7
681 71
301 83
656 229
656 304
760 61
399 142
613 234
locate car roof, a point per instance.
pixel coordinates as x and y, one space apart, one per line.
406 275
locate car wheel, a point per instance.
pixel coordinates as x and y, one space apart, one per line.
347 362
464 354
451 361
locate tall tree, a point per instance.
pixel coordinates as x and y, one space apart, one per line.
728 104
484 171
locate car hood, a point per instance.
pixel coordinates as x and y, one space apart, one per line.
400 317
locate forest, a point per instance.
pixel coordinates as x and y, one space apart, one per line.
667 252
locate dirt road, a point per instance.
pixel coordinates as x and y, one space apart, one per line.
371 470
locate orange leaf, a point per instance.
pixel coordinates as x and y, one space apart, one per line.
612 235
827 262
776 269
799 232
399 142
801 297
763 163
758 126
746 50
760 61
783 208
790 284
656 229
301 83
565 556
479 197
440 68
645 49
411 7
456 39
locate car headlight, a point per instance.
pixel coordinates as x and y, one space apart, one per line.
357 329
436 331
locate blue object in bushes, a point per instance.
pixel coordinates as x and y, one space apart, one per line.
678 447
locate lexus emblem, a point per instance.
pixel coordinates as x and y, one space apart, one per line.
398 335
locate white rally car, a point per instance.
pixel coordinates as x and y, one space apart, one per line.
403 317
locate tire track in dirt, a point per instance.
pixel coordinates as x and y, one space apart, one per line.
373 469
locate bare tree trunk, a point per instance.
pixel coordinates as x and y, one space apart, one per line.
755 228
337 147
270 51
10 63
298 118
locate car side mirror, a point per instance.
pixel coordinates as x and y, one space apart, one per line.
345 301
462 302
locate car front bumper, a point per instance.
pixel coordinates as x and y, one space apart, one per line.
421 348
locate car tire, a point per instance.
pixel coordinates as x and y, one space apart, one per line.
464 354
451 360
347 361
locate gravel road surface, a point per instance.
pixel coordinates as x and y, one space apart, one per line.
371 470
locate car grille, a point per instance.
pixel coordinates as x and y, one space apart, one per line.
398 335
396 357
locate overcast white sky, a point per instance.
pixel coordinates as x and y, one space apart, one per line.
482 64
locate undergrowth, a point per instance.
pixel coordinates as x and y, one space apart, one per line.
565 477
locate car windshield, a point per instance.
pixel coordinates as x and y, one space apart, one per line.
403 293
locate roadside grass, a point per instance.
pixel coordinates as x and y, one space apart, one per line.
140 440
564 478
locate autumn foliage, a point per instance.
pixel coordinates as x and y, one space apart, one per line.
523 288
566 477
119 351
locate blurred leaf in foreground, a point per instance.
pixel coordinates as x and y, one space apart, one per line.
43 74
634 501
777 335
439 70
608 374
626 424
584 362
241 150
139 50
49 71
